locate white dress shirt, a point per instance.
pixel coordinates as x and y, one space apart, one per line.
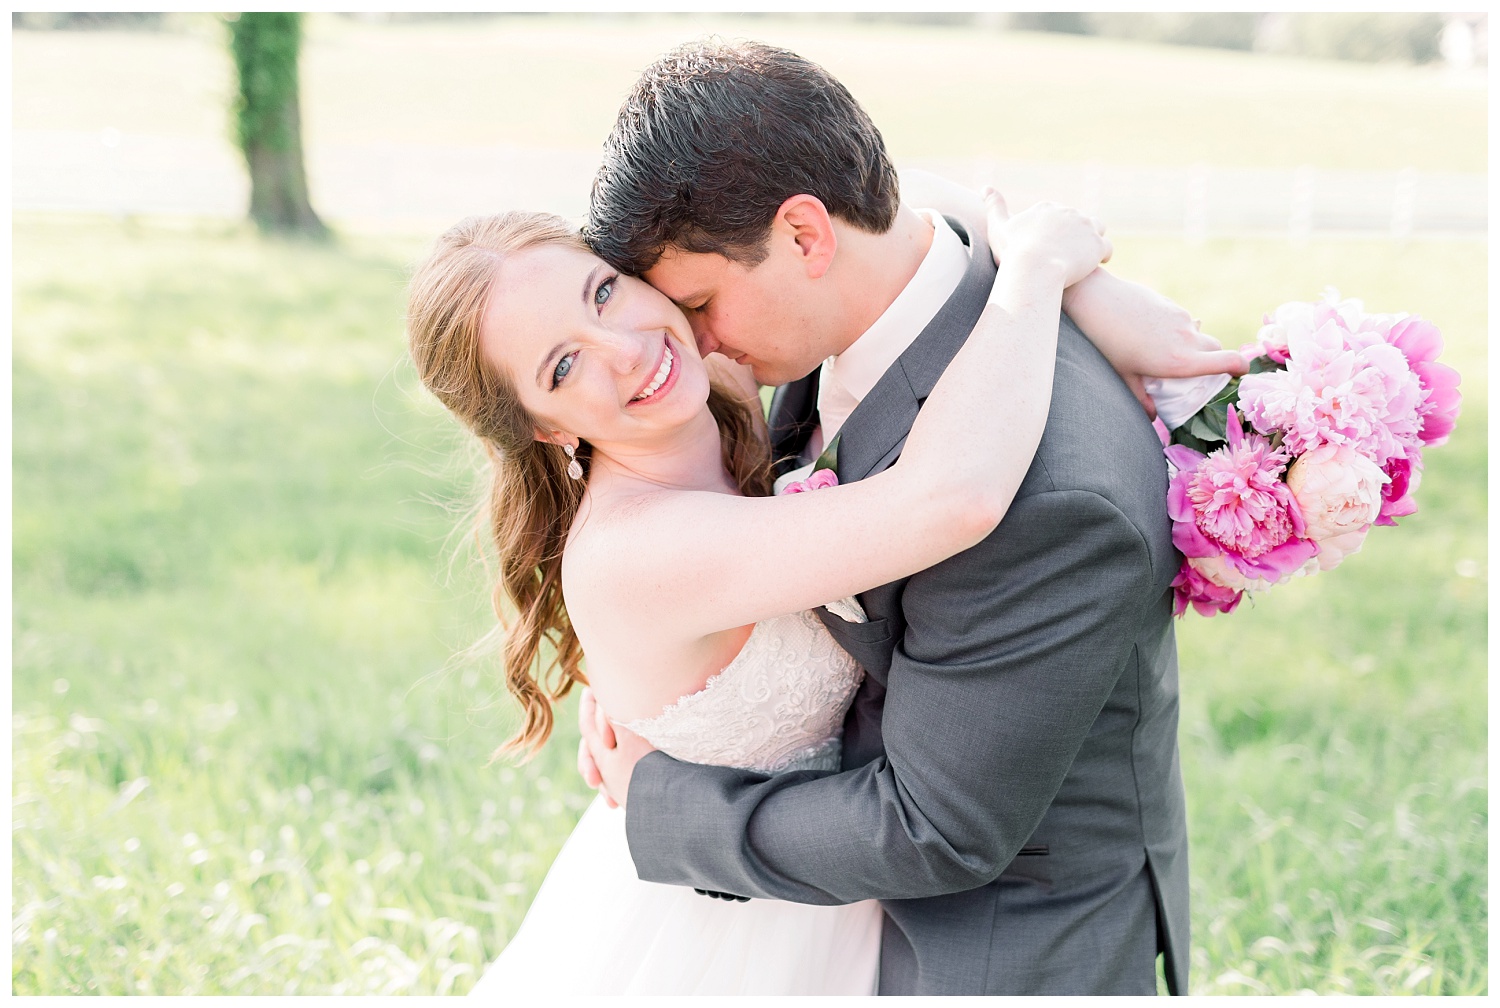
847 378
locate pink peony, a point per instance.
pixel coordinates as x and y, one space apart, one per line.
1234 504
1418 340
818 480
1421 342
1403 476
1161 432
1337 489
1440 409
1191 587
1338 388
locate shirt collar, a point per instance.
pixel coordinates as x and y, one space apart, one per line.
858 368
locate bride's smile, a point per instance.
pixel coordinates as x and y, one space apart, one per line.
594 354
662 381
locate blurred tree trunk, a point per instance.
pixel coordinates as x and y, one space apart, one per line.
269 121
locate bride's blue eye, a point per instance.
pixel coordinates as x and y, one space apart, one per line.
564 366
604 291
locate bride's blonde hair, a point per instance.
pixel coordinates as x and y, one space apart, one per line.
531 501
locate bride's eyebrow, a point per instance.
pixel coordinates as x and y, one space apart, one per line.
589 283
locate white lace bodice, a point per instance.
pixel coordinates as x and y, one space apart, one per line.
778 706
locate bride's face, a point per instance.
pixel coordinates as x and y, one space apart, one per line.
593 354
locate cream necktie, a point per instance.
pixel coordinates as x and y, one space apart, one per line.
835 402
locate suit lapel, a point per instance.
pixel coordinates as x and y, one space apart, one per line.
872 436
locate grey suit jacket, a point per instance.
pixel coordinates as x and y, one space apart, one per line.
1010 787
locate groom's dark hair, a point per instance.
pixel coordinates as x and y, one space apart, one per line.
714 137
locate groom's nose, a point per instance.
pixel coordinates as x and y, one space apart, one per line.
703 335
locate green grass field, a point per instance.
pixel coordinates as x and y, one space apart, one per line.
244 761
935 92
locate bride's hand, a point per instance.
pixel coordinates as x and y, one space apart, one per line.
588 713
1144 334
607 754
1046 235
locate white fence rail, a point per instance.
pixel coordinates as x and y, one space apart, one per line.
126 174
1200 200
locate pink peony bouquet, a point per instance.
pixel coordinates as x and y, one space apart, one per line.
1286 470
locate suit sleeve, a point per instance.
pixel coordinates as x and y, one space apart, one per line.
1011 650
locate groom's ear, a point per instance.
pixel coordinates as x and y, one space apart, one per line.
804 221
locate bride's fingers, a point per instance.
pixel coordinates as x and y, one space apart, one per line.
1202 361
585 709
995 204
1223 362
996 214
1138 386
606 731
587 768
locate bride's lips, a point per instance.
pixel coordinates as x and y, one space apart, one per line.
667 383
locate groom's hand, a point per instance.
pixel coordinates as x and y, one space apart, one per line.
607 754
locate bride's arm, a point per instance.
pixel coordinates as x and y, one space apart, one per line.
716 561
1142 333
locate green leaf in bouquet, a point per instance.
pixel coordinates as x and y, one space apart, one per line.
1208 425
1182 437
1228 395
1261 365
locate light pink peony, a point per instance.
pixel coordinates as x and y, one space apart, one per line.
1216 570
816 481
1350 314
1338 388
1234 504
1303 317
1191 588
1332 551
1403 476
1337 489
1275 334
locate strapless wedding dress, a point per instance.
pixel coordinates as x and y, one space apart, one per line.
595 928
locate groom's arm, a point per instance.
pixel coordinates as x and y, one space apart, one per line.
1011 650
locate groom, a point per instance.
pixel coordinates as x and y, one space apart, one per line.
1010 787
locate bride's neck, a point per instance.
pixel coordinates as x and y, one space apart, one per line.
686 458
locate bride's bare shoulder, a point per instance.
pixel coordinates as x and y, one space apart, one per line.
611 534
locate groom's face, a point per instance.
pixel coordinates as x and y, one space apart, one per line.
761 316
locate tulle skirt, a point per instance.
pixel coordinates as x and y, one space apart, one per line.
595 928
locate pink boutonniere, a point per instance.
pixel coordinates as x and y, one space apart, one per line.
817 481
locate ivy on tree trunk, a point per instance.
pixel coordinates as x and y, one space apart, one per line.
269 121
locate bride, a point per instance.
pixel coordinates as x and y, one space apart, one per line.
629 507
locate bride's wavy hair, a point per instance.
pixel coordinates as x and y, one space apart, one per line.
531 502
